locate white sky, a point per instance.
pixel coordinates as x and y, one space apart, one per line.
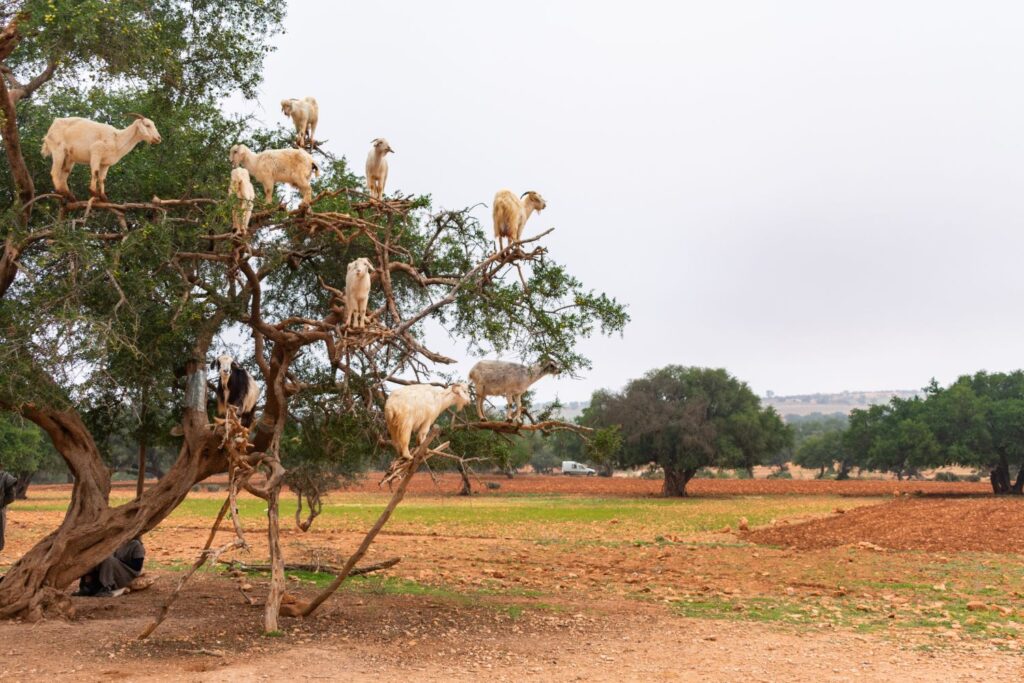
816 196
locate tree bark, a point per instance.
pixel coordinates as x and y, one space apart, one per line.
21 488
467 486
676 481
8 265
1018 486
140 483
92 530
844 470
12 146
1000 476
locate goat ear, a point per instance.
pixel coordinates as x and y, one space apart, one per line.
235 365
213 364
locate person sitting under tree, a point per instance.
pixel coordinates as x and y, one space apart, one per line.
111 576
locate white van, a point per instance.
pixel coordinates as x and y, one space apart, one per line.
572 467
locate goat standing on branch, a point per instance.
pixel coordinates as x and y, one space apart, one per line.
242 194
76 140
292 166
235 387
377 168
415 408
510 214
357 292
511 380
304 114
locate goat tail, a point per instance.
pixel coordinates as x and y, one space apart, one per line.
45 151
316 169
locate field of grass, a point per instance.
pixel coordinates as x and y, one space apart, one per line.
524 517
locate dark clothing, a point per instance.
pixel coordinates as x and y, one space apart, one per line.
117 571
7 486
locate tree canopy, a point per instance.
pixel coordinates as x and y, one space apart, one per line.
109 313
977 421
685 418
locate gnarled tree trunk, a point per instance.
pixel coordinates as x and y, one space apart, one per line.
676 481
999 475
91 529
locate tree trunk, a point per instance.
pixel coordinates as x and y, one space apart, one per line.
12 145
1000 476
467 486
272 608
140 483
8 267
844 470
21 488
92 530
676 481
1018 486
153 467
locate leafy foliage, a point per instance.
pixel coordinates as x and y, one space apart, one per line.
685 418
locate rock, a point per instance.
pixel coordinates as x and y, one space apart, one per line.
141 583
976 606
839 511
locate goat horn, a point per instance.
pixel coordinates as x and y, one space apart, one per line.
135 115
525 193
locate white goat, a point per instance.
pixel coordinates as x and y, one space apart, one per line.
241 189
415 408
76 140
357 291
304 114
511 380
377 167
510 214
292 166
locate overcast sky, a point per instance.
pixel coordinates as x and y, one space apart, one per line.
816 196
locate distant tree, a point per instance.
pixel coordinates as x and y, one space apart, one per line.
23 451
978 421
603 449
544 461
820 452
685 418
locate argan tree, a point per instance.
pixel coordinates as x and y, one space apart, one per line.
124 304
684 418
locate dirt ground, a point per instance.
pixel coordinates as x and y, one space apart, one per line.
545 587
449 483
938 524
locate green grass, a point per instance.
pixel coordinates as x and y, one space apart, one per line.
543 518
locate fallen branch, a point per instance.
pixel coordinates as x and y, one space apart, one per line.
316 568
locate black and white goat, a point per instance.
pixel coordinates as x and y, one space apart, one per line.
236 387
